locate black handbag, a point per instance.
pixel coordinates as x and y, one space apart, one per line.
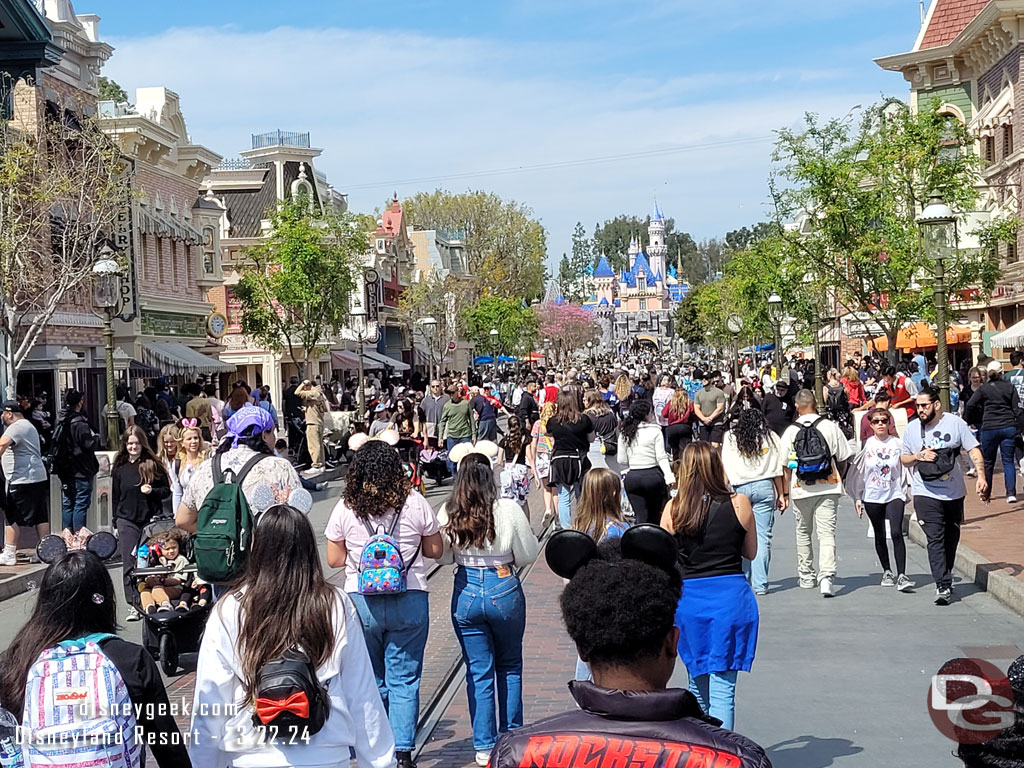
945 461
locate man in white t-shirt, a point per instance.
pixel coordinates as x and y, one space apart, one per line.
816 501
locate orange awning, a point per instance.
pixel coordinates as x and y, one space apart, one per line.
921 336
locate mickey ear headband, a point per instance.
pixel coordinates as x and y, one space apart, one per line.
358 440
102 544
567 551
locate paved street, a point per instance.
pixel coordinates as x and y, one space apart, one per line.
839 682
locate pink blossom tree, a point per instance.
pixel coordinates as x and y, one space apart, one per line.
568 326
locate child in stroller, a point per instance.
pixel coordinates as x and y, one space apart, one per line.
174 589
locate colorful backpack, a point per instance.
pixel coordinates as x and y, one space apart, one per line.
78 710
382 570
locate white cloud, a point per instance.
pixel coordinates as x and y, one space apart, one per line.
394 106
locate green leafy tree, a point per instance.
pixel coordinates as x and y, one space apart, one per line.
515 323
445 300
295 290
506 246
111 91
855 193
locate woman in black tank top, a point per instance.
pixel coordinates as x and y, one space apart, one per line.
717 614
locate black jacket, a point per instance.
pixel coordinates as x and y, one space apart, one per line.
995 404
76 458
146 689
778 412
627 728
129 502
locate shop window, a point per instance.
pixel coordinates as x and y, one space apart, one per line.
234 310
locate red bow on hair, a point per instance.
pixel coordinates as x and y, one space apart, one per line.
268 709
189 423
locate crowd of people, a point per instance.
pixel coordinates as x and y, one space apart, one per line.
663 480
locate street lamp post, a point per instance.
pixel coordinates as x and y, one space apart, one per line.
428 325
590 352
938 231
364 333
775 315
106 294
734 323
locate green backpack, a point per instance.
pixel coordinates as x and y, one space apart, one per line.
225 524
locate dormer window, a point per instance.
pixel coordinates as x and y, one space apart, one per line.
641 282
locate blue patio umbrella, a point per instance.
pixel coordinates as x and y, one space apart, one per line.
483 360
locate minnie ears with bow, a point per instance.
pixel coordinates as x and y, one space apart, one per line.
567 551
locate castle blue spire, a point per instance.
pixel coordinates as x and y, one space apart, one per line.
656 213
604 269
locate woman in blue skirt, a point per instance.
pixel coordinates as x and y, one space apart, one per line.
717 613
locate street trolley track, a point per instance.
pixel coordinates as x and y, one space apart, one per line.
452 680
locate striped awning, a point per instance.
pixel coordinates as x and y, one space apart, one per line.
173 357
1010 338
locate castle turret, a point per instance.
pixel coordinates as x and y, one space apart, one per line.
657 250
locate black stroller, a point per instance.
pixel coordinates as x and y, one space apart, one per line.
169 634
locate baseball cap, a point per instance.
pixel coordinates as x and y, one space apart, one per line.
12 406
994 365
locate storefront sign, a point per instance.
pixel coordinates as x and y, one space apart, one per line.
124 244
173 324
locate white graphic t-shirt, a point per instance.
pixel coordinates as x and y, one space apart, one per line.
882 471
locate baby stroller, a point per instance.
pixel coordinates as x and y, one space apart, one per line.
169 634
434 464
409 451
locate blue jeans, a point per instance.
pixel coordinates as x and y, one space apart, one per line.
716 694
565 496
395 628
489 616
450 443
76 495
1001 440
762 498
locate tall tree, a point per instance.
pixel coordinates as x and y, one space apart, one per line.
109 90
295 290
446 301
855 194
62 188
574 272
516 325
506 246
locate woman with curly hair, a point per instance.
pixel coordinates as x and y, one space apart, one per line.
754 464
378 502
488 538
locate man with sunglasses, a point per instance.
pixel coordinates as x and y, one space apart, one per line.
939 503
432 405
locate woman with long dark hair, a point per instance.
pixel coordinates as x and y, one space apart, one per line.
606 427
76 602
139 485
282 603
488 538
754 465
379 500
572 431
642 450
717 614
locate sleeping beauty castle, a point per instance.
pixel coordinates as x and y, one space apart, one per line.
635 308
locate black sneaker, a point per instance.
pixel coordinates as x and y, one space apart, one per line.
943 596
404 759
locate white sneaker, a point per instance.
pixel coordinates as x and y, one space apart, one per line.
8 558
483 758
1011 499
825 585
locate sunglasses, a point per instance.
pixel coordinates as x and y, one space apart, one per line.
879 421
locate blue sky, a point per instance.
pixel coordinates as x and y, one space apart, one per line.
409 95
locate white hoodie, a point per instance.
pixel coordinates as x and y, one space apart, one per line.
222 738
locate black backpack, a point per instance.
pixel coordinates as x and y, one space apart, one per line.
813 456
837 408
291 704
58 451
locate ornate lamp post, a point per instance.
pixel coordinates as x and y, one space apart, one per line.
428 326
775 315
363 332
938 231
106 294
